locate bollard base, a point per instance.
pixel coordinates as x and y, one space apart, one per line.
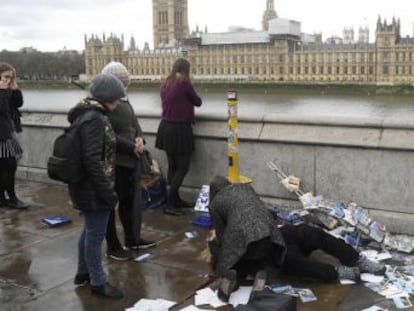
241 180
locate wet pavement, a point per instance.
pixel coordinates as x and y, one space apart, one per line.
37 263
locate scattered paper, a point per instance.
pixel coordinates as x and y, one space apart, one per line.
306 295
191 235
371 278
143 257
152 305
203 199
207 296
402 302
374 308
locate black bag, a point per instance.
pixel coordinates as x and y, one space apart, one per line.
146 162
65 164
268 300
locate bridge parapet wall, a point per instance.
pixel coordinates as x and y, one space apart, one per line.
368 161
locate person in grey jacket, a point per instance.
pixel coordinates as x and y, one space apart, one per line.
249 240
94 195
127 175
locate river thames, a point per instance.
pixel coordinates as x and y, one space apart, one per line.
214 103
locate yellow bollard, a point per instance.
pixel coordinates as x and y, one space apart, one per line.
233 141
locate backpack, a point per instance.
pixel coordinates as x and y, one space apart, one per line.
65 163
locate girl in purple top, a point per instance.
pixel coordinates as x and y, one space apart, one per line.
175 133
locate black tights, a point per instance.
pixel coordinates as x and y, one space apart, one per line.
8 167
178 167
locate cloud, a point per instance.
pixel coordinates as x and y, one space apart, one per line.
66 21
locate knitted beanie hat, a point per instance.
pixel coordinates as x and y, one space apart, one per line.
106 88
119 71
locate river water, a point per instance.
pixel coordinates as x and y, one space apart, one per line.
214 103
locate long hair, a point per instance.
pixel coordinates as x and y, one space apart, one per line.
180 71
7 67
217 184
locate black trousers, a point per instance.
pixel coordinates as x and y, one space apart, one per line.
300 241
8 167
129 209
178 167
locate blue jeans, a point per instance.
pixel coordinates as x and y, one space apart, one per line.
90 245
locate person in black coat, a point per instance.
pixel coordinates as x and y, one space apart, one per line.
11 99
95 195
248 240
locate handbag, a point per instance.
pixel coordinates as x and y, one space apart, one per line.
268 300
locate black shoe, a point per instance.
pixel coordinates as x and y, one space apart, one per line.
107 290
143 244
119 254
82 279
4 202
228 285
173 211
17 204
184 204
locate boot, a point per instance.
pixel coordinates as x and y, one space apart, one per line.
107 290
173 211
368 266
82 279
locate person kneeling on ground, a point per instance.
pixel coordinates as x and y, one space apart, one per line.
247 240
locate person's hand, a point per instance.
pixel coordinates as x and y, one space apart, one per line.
211 235
139 145
13 84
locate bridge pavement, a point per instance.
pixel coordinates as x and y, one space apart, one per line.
37 264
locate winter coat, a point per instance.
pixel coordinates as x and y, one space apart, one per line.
6 123
16 101
240 217
125 125
98 145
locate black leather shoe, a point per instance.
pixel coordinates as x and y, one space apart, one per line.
173 211
185 204
4 202
107 290
17 204
82 279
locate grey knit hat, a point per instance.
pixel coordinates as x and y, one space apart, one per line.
106 88
119 71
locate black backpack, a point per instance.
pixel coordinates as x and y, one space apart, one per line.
65 164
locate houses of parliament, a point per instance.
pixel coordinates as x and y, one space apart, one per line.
278 52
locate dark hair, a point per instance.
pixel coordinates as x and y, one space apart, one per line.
217 184
7 67
180 70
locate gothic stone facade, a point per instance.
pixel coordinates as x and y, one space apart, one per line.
260 57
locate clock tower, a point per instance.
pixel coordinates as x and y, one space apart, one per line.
170 22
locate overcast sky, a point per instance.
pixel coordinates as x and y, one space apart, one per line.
51 25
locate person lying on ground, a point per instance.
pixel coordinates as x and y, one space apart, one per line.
248 240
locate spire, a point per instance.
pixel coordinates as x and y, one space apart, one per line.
269 14
270 5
